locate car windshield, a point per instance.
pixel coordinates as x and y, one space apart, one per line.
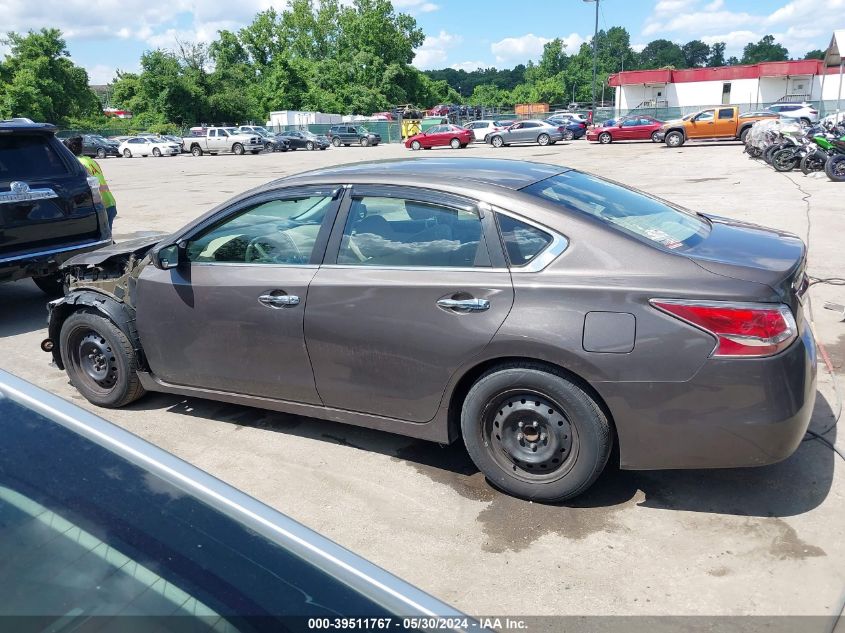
634 212
99 535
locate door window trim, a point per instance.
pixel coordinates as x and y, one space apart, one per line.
541 260
498 262
243 205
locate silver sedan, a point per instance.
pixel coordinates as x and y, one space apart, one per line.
531 131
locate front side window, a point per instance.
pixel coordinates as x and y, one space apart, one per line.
630 211
523 242
631 123
274 232
707 115
382 231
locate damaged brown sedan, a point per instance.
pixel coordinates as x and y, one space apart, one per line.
539 313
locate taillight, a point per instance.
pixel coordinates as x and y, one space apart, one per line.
94 185
740 329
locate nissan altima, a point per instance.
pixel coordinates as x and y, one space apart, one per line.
538 313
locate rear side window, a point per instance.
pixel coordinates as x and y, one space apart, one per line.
29 156
726 113
523 242
630 211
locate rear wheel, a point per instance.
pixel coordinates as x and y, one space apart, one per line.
101 153
543 139
455 143
535 434
569 135
769 153
100 361
605 138
655 137
784 160
238 149
744 134
196 150
813 162
835 168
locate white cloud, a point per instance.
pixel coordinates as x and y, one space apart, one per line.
469 66
415 6
519 49
101 74
572 42
433 53
637 48
795 23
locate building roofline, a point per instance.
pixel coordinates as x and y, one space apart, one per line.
721 73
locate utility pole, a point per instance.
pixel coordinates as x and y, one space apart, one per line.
595 54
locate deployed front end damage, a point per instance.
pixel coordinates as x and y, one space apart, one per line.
102 282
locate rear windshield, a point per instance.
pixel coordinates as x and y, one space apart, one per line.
631 211
29 156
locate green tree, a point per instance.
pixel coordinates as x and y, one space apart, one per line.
696 53
38 79
815 54
661 54
766 50
717 55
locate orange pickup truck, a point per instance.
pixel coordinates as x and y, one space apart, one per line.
725 122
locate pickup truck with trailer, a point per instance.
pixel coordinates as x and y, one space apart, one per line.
220 140
723 122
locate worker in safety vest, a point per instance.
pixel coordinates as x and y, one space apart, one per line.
74 144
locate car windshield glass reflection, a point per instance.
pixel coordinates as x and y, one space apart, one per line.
629 210
97 535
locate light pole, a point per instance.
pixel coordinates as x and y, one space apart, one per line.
595 54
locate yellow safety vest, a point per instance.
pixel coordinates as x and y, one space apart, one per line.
93 169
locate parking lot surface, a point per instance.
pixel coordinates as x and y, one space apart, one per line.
767 541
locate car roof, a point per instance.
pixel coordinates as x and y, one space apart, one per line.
511 174
25 125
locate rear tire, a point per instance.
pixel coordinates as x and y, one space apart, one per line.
196 150
543 139
100 361
101 153
455 143
813 162
521 447
655 137
835 168
744 134
784 160
569 135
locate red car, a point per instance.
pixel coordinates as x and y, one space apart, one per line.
454 136
630 128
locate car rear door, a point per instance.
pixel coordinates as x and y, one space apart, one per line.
413 287
229 317
45 199
725 122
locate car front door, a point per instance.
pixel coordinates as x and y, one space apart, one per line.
409 293
703 124
433 136
229 317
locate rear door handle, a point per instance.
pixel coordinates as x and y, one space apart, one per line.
279 301
464 305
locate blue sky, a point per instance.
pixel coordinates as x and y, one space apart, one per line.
106 35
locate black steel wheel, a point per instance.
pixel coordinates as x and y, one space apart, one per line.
99 359
535 433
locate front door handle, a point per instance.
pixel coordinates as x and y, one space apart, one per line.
464 305
279 301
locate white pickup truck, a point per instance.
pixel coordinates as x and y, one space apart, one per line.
219 140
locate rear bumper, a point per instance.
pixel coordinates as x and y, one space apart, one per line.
747 412
44 262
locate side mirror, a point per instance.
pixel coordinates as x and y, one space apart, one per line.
168 257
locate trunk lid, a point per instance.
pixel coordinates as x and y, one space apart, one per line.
749 252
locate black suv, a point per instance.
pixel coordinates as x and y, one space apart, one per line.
49 208
346 135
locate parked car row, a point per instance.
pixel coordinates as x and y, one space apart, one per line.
498 133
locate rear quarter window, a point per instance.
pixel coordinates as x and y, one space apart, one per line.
624 209
24 156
